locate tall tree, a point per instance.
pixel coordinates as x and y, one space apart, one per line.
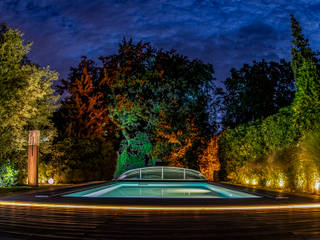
300 49
26 96
84 111
305 65
209 161
257 91
148 88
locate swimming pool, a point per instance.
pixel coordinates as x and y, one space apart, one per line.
135 189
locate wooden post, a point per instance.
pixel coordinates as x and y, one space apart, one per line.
33 157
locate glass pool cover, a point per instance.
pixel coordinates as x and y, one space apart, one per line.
162 174
161 182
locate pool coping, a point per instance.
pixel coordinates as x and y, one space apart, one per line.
55 198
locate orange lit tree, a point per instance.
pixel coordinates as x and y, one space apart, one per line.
173 144
87 143
209 160
85 112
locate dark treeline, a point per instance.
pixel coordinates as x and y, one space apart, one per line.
255 91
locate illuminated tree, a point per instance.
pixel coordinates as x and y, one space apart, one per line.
142 83
174 143
306 68
27 100
300 49
209 160
135 152
84 111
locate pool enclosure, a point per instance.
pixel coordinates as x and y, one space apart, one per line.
161 182
160 173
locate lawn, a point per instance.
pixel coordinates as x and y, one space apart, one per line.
4 191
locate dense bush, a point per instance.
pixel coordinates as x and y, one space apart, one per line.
294 168
78 160
279 152
8 173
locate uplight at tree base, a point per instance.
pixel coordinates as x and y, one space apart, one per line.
50 181
317 185
281 182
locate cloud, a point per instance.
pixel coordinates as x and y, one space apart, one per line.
226 33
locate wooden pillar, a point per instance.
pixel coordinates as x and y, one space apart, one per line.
33 157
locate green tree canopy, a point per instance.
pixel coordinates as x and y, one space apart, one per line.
149 88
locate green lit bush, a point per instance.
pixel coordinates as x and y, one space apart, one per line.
8 174
134 153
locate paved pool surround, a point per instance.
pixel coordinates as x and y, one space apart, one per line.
49 215
266 198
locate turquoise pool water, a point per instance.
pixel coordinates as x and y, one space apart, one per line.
161 190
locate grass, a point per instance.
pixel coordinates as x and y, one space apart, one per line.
14 189
6 191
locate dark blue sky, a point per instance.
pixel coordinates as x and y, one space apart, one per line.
226 33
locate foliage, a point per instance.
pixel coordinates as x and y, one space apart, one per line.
84 113
209 160
176 146
306 105
27 99
152 91
300 49
294 168
281 150
310 147
85 128
132 98
134 153
8 173
79 160
256 91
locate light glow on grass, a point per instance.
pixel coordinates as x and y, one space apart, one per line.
162 208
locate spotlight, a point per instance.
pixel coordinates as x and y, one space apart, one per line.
50 181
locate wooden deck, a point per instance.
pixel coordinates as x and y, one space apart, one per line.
56 223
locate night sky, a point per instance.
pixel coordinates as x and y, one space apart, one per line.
226 33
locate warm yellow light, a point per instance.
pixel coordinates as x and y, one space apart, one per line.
317 185
247 181
281 182
166 208
268 183
254 182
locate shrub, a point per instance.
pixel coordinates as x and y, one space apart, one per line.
79 160
209 161
8 173
134 153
